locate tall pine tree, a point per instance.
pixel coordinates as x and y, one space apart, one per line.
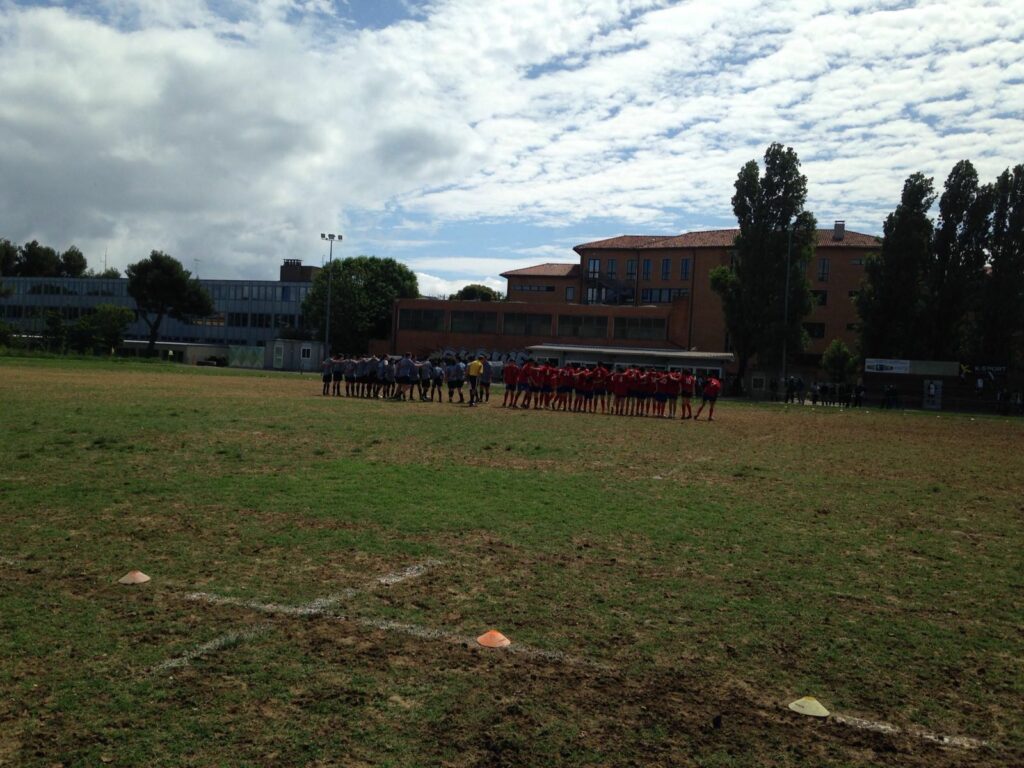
890 302
772 222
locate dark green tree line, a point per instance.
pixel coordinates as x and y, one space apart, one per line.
363 293
35 260
476 292
162 287
762 319
951 289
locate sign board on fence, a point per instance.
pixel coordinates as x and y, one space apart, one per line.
879 365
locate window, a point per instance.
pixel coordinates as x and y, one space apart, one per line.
820 298
823 269
307 353
662 295
610 267
647 269
631 269
857 262
595 295
474 322
666 269
815 330
583 326
260 320
525 324
684 269
594 269
533 288
640 328
421 319
570 293
238 319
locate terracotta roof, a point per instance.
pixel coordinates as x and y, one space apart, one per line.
545 270
624 241
850 240
720 238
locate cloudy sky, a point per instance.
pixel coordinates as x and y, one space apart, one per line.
467 137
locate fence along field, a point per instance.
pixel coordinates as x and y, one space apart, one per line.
668 588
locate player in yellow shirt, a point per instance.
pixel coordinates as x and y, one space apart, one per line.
473 373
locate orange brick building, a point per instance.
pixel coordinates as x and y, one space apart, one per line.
638 291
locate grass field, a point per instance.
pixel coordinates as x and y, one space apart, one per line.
668 587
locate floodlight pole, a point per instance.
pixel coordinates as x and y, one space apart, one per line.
785 301
330 238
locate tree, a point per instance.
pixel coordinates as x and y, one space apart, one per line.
363 293
72 263
101 329
161 287
773 223
35 260
1001 317
8 258
955 277
476 292
55 334
890 302
110 273
837 361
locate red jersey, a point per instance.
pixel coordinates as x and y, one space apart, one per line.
511 374
665 386
618 383
648 382
686 384
600 378
523 377
712 387
584 381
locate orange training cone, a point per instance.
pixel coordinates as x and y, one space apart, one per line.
133 577
493 639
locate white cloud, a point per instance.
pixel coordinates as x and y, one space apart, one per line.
237 132
432 285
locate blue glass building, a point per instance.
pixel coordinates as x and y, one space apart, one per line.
247 312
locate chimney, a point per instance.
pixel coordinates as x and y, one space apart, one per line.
840 230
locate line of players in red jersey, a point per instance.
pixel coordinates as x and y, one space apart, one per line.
623 392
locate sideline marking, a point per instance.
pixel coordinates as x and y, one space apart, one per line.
321 606
218 643
877 726
318 607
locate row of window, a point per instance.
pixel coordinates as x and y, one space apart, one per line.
66 312
248 292
611 267
662 295
532 288
230 319
69 287
529 324
217 291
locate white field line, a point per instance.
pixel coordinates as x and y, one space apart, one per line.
407 573
12 562
964 742
224 641
321 607
317 607
321 604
